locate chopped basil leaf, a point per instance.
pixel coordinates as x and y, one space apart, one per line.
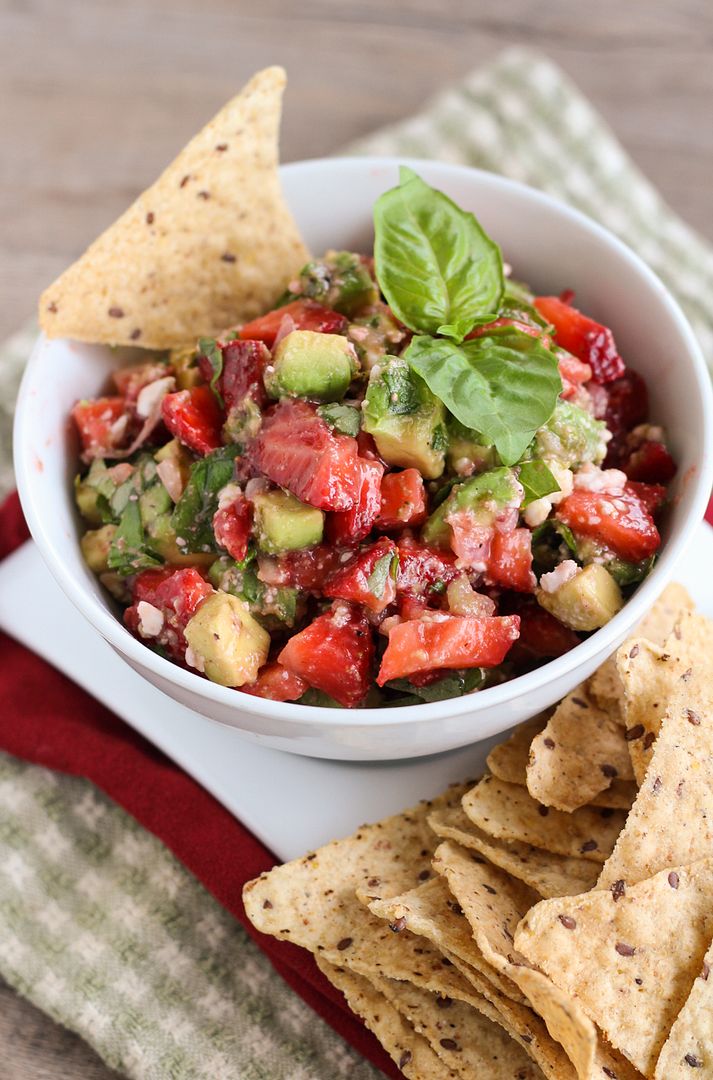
454 684
129 551
318 697
192 518
504 387
626 573
343 418
537 480
214 355
387 565
437 268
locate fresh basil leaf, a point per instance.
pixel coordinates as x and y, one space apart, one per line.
504 388
318 697
454 684
387 565
129 551
214 355
344 418
537 481
626 573
192 517
567 535
437 268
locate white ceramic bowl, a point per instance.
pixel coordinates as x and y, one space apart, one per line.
550 246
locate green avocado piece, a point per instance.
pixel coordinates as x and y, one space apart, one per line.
571 436
283 523
227 642
95 545
310 365
93 494
340 281
272 605
484 495
587 601
464 445
154 502
405 419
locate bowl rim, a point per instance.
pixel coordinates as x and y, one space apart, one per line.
601 642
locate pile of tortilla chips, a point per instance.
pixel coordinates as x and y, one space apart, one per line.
555 919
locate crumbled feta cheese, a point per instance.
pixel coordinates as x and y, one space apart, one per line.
558 577
151 394
341 615
464 466
537 511
387 625
228 495
118 429
150 619
169 474
592 478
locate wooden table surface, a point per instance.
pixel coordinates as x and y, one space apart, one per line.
96 96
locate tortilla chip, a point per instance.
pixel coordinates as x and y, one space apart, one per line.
630 959
411 1052
690 1042
650 675
671 821
605 685
546 873
508 760
465 1040
494 903
508 812
430 911
210 244
579 753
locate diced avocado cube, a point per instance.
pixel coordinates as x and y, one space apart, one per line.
283 523
184 361
465 449
586 601
405 419
95 546
93 493
242 422
86 498
340 281
162 538
272 605
571 436
485 496
310 365
226 641
154 502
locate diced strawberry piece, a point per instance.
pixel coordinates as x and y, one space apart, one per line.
421 567
276 683
586 339
403 500
351 526
304 315
194 417
650 463
99 423
412 607
354 580
175 595
651 495
333 654
471 542
243 366
510 562
296 449
618 520
367 446
542 635
306 569
627 403
447 641
130 381
573 374
231 526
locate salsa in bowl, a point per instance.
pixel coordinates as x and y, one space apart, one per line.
550 246
412 479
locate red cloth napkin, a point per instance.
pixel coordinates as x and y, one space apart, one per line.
77 735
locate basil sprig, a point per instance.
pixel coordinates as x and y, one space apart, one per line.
537 481
503 387
437 268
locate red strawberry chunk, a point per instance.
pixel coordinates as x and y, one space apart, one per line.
100 424
650 463
164 601
403 500
573 374
351 526
586 339
306 569
296 449
241 377
510 562
232 525
541 634
421 567
333 654
299 315
447 641
276 683
363 581
618 520
194 417
651 495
